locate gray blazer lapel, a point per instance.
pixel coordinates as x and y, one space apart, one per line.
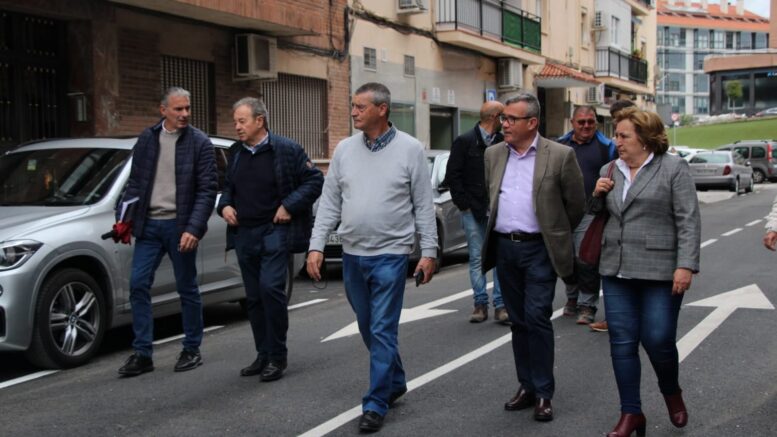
644 177
617 191
499 167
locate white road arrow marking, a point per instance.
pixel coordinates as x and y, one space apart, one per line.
411 314
725 304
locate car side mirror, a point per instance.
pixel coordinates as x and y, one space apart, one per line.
748 163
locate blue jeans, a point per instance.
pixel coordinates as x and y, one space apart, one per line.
528 284
588 281
641 311
375 286
475 230
263 257
161 237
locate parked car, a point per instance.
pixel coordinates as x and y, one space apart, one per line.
61 286
450 234
721 169
762 155
771 112
685 152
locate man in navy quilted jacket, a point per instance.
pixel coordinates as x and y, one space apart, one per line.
174 180
267 201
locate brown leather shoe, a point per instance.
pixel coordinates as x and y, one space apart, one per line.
599 326
543 411
479 314
500 316
522 400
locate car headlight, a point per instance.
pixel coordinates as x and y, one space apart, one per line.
15 253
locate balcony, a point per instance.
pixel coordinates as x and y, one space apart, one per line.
610 62
490 27
640 7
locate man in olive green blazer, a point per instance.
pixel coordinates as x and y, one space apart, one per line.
536 200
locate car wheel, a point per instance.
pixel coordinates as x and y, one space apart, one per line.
70 320
749 187
734 186
758 176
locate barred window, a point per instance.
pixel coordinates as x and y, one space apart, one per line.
370 59
409 65
297 108
197 78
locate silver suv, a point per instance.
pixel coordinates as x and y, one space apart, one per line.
761 154
62 286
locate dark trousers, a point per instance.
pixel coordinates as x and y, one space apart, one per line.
528 284
263 257
641 311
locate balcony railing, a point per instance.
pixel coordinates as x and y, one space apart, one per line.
610 62
492 19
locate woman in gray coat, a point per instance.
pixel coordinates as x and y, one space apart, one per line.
650 249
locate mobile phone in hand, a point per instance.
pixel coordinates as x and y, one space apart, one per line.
419 277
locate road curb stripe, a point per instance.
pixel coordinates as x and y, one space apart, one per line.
25 378
731 232
754 222
178 337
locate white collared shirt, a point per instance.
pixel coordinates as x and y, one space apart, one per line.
624 169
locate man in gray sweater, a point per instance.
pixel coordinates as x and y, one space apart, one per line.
378 187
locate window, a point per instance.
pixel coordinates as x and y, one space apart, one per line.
286 98
370 59
761 41
730 40
701 83
758 152
675 82
403 117
746 40
674 60
584 33
614 30
701 105
744 152
701 38
675 36
409 65
718 39
698 60
197 78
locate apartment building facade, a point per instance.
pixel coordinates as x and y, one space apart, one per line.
688 32
88 68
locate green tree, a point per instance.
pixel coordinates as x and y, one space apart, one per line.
733 92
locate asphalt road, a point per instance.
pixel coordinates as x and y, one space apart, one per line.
460 373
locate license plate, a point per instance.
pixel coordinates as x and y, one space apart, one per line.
333 238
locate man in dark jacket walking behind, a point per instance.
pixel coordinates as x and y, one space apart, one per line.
465 176
593 150
267 202
173 179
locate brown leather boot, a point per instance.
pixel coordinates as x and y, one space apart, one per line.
479 314
629 423
678 415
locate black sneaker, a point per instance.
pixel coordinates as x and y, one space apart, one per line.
273 371
136 364
188 360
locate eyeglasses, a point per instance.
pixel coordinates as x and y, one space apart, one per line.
511 120
589 121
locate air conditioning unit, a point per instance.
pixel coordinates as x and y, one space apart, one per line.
595 94
509 73
412 6
599 21
255 57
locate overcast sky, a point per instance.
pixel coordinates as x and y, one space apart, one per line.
760 7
